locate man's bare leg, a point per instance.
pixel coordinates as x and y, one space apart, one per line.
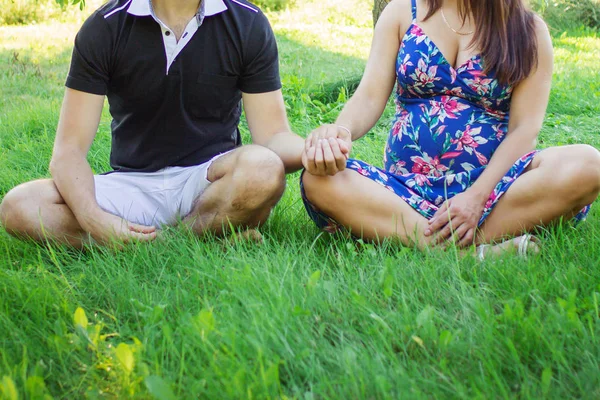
560 182
37 211
246 185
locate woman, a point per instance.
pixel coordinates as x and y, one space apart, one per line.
473 81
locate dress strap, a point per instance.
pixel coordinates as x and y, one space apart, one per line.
414 9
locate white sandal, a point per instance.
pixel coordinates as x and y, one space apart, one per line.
481 251
524 244
523 247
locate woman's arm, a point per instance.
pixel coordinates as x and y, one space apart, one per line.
367 104
527 111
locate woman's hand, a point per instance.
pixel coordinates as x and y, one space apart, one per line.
457 219
326 150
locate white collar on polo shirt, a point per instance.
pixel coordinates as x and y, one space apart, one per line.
141 8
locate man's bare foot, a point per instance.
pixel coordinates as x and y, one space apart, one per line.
524 246
248 236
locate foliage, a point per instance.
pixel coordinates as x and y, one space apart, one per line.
16 12
563 14
20 12
306 315
63 3
560 14
273 5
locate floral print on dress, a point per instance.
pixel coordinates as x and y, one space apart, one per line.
448 124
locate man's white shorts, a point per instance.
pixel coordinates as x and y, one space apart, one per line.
153 198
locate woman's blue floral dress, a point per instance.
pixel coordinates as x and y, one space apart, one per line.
448 124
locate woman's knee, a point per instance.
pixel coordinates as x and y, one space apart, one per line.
575 172
327 193
583 172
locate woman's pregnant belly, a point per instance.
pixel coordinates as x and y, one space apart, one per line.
441 136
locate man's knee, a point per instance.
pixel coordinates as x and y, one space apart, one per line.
13 211
259 177
19 210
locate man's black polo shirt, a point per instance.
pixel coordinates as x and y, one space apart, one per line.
184 113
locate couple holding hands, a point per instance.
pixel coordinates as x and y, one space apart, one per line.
472 82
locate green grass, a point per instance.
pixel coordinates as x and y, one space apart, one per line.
306 315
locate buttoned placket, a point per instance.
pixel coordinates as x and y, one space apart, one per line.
172 46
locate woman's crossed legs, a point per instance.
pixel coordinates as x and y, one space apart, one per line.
559 183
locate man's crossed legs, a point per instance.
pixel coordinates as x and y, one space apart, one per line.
237 189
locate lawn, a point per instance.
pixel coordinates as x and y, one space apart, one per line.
305 315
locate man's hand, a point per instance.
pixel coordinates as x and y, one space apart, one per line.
106 228
326 150
457 220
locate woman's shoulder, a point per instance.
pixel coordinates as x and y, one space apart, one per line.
542 33
400 8
398 13
541 28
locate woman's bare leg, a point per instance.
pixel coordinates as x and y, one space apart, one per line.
559 183
366 208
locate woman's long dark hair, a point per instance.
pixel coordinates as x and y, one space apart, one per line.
505 33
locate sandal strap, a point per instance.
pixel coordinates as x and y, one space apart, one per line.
524 244
481 251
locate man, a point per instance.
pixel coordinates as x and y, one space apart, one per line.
174 72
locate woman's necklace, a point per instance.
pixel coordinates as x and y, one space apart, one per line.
454 30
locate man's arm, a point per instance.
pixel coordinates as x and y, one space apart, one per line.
77 126
269 127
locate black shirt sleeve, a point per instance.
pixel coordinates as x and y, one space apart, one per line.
261 61
90 62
